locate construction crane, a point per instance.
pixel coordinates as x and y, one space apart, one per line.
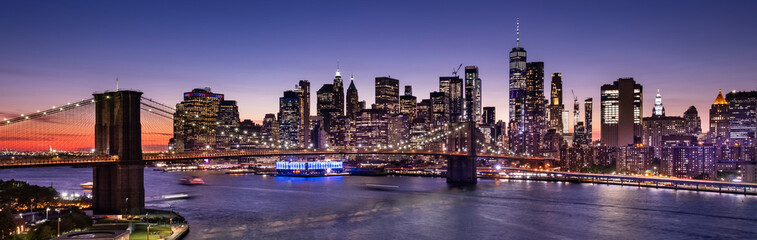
454 72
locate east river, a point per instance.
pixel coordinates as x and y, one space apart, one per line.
265 207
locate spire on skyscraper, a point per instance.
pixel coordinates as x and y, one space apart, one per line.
659 110
517 32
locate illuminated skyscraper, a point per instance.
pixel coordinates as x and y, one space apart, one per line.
289 119
303 89
556 105
588 106
742 111
489 117
196 120
408 103
388 94
472 94
534 124
517 95
453 88
621 106
353 103
658 109
719 117
693 123
338 93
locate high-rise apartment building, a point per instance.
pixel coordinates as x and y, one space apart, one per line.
621 111
388 94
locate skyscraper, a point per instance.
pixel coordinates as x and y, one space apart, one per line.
388 94
196 120
269 131
534 115
621 110
303 89
338 93
227 125
439 104
719 117
556 105
289 119
408 103
453 88
658 109
353 103
489 117
472 94
693 123
517 99
325 100
588 106
742 110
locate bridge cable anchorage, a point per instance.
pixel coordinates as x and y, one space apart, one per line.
53 110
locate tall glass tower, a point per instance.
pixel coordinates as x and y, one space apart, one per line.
517 94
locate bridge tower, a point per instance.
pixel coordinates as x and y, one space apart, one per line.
118 188
461 170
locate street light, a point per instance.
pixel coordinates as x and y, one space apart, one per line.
47 213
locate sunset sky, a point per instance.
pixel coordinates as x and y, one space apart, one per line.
54 52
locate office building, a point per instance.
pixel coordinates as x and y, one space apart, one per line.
719 118
472 94
196 120
742 111
516 102
455 91
621 111
556 105
388 94
353 103
289 120
692 122
489 117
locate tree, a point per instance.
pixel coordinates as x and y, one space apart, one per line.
7 224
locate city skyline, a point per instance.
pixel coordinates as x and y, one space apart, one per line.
46 62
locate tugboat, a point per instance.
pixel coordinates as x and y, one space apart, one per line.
192 181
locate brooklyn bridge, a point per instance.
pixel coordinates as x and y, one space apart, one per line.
119 132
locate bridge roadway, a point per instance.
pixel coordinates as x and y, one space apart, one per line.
45 161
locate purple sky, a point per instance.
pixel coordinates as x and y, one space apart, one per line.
60 51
